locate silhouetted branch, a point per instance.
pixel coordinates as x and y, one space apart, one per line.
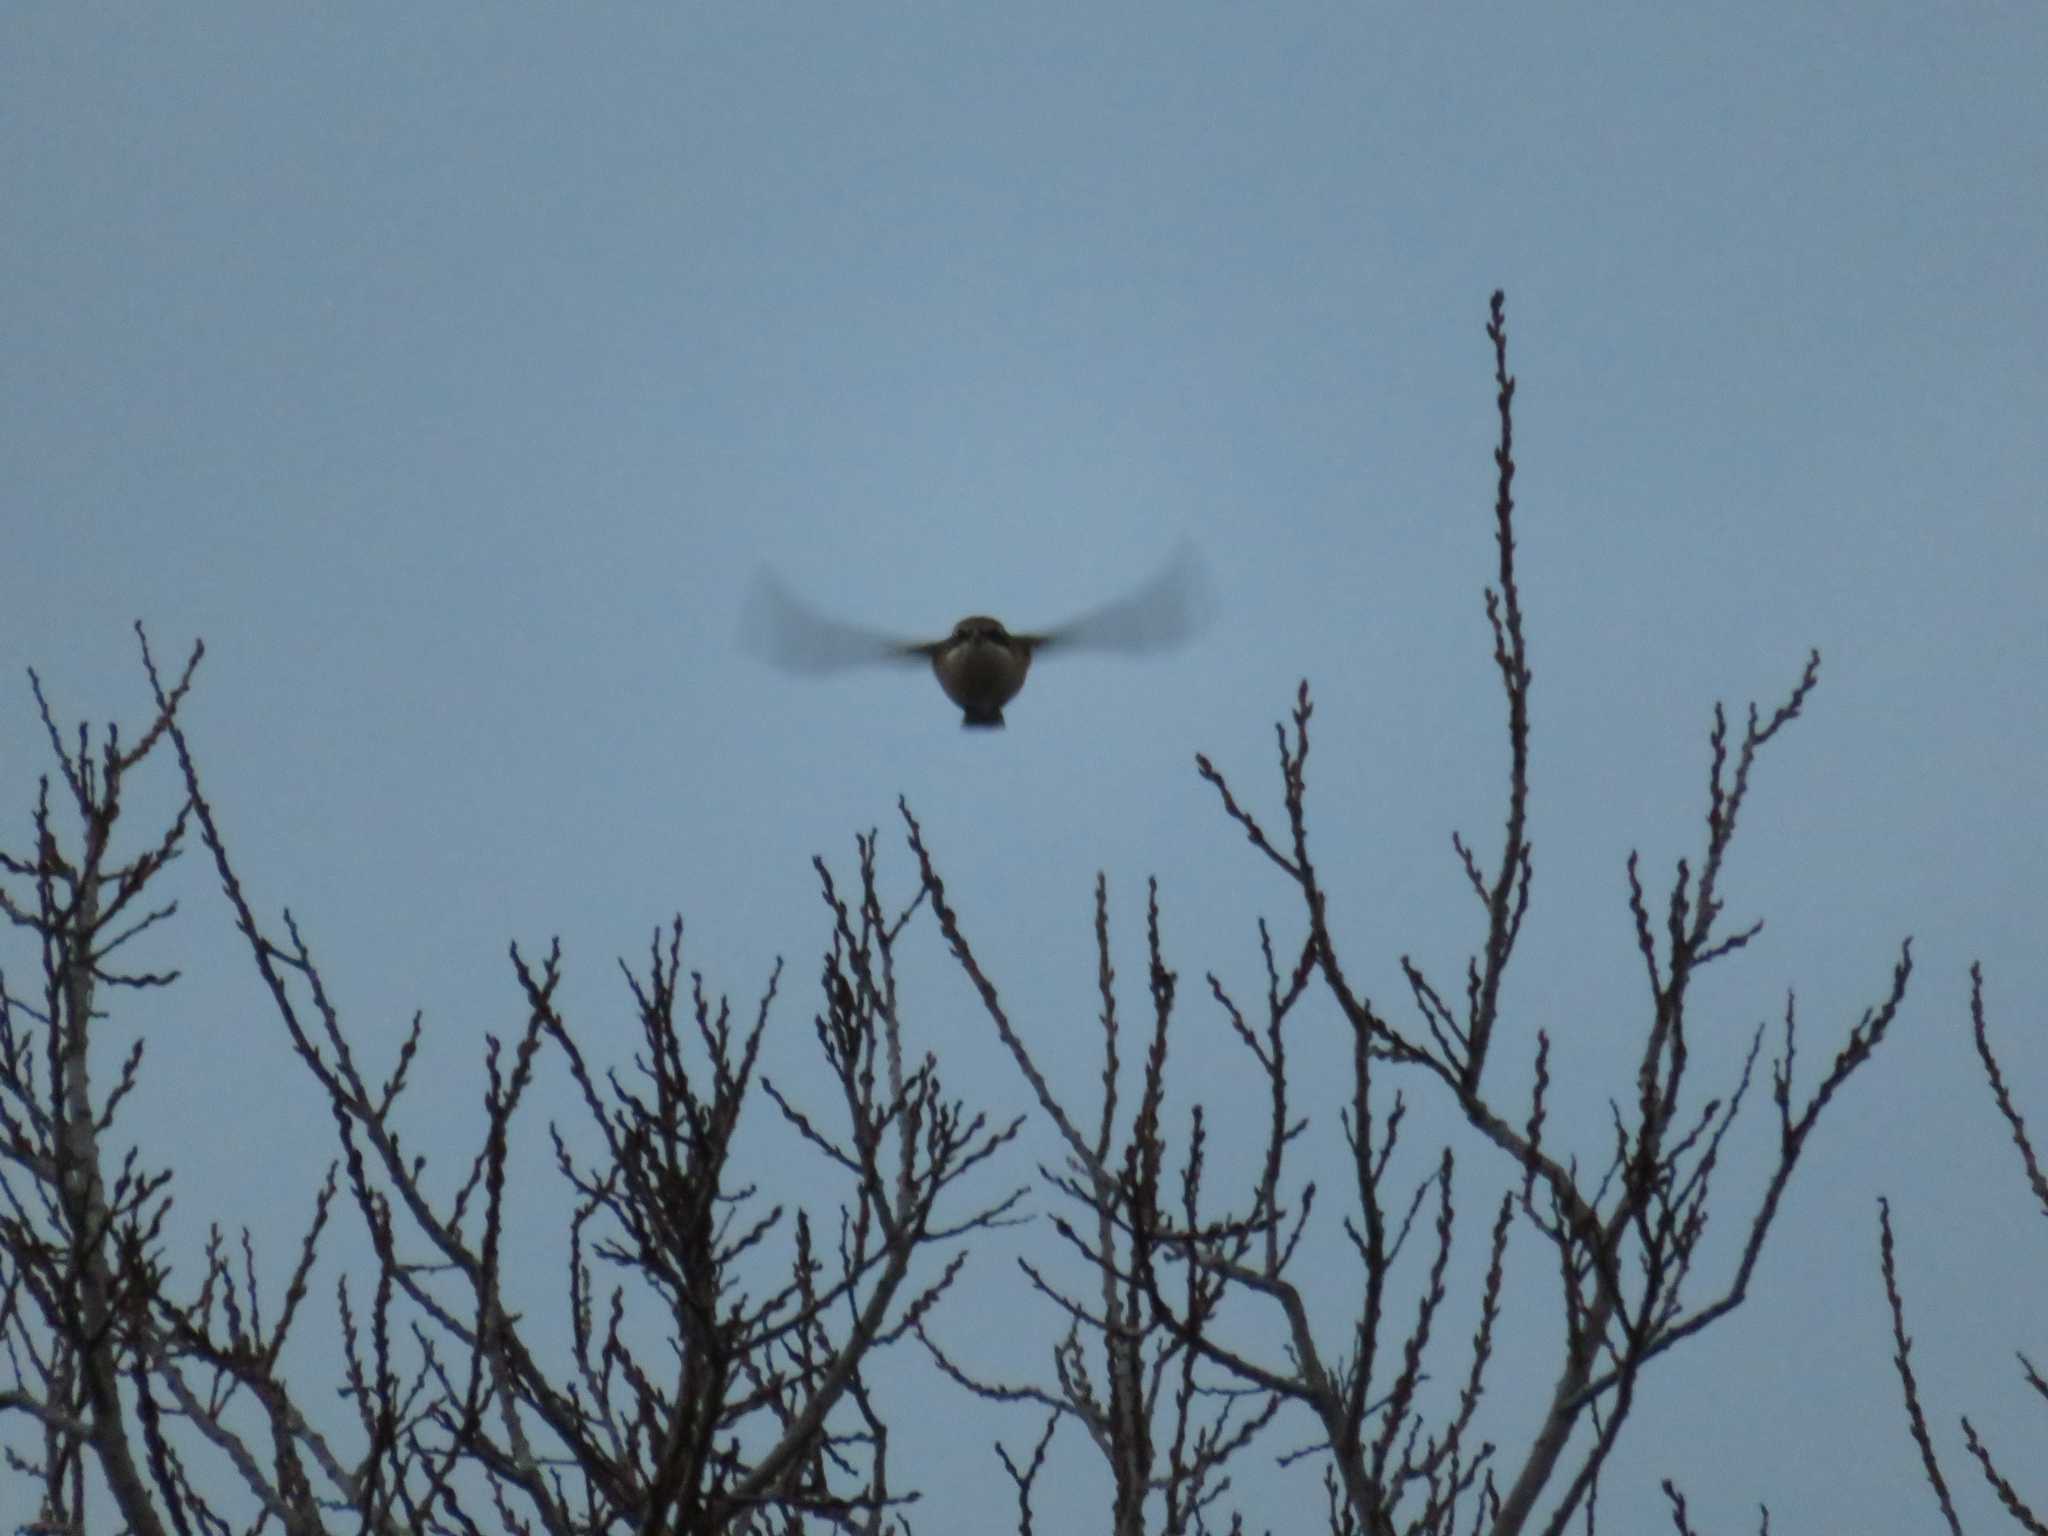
1902 1352
2009 1497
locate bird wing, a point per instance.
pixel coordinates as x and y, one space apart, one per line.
1170 609
783 630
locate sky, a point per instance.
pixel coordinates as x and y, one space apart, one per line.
452 370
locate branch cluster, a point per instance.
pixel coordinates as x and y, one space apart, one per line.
712 1366
720 1347
1624 1240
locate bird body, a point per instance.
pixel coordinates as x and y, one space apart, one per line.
981 665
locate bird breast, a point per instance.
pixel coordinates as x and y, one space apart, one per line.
981 674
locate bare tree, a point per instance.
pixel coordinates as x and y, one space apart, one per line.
750 1410
1624 1242
2024 1513
714 1367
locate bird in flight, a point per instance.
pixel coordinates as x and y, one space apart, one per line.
981 665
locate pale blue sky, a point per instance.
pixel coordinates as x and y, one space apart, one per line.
450 369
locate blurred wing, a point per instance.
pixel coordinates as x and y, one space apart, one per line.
1169 610
784 631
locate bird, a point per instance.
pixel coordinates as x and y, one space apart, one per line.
982 664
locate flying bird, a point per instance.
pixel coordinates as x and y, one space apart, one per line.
981 665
